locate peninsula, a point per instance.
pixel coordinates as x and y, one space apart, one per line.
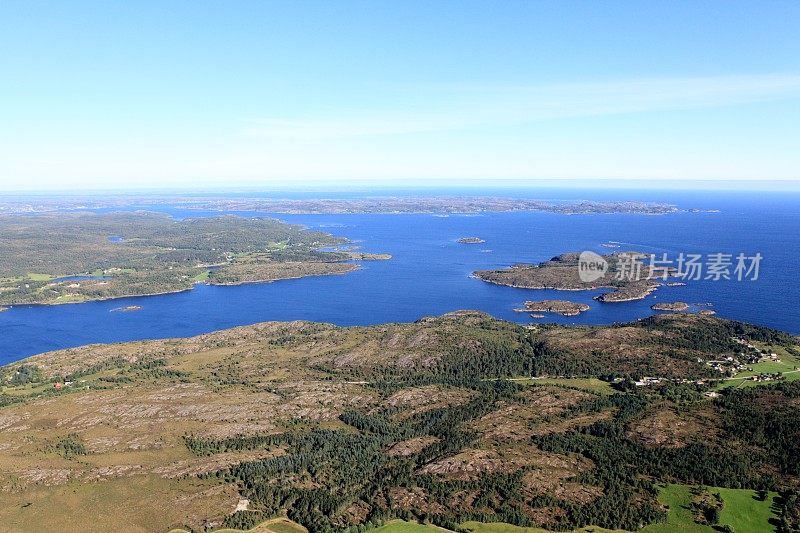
67 257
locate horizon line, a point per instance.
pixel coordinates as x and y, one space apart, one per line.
362 185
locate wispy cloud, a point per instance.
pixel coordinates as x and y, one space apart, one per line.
450 107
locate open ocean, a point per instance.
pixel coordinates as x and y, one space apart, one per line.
430 272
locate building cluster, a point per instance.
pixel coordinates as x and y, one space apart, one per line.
775 376
729 366
750 355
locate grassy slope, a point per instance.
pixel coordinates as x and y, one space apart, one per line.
741 510
401 526
680 516
106 505
745 513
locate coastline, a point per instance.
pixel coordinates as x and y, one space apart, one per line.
600 298
272 280
539 287
650 289
177 291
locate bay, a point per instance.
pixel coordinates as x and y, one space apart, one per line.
430 273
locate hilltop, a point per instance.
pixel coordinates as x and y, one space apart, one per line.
451 419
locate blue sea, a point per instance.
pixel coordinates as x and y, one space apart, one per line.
429 273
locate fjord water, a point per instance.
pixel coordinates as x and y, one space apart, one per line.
429 273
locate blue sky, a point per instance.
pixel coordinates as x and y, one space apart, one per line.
149 94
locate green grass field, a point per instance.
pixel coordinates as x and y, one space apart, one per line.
202 276
33 276
742 511
745 513
401 526
71 299
680 516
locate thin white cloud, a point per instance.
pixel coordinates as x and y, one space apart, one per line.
416 134
464 107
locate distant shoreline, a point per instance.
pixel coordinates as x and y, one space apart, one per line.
178 291
393 205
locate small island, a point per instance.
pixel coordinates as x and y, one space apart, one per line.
672 306
365 256
562 273
127 309
560 307
470 240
